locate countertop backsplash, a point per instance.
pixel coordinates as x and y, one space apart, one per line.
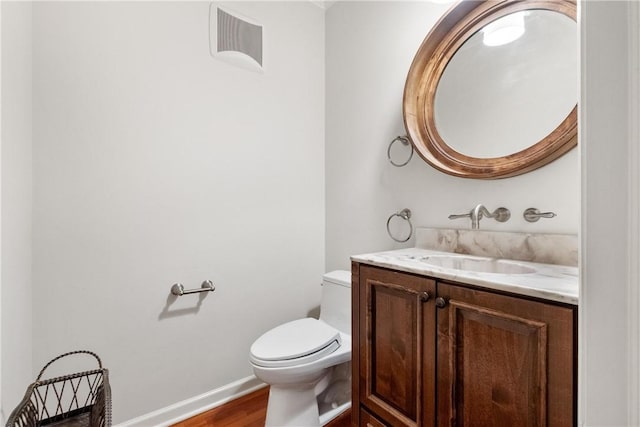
559 249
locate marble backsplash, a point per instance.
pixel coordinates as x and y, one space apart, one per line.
559 249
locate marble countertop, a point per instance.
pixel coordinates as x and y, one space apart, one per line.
551 282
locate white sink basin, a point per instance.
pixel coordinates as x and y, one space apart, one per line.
477 264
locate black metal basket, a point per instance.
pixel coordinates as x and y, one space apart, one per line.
80 399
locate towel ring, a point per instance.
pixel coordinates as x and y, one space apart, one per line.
406 215
404 141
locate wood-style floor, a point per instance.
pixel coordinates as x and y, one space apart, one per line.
246 411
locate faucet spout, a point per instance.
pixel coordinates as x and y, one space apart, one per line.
476 215
480 211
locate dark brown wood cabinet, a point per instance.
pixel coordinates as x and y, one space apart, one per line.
431 353
395 354
368 420
504 360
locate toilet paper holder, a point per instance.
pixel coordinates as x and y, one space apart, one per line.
178 289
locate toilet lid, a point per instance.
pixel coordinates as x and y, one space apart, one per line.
294 343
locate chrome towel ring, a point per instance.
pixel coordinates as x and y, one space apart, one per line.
404 141
406 215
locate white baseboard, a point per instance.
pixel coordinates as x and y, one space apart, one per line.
196 405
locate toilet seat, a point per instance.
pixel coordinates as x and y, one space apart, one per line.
295 343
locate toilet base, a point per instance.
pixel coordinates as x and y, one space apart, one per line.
292 405
298 409
312 403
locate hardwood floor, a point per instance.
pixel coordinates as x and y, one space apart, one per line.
246 411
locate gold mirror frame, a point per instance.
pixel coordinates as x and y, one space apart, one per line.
460 23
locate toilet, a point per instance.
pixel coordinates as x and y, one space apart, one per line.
307 361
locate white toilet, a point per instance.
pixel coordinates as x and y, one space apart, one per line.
306 361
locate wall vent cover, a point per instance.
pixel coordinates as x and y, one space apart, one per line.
235 39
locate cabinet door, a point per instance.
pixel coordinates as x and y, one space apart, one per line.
504 361
396 346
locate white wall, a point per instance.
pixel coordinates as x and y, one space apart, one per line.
370 46
16 203
633 291
606 147
155 163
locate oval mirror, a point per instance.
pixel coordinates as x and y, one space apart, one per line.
492 90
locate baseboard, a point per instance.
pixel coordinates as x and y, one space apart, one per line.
190 407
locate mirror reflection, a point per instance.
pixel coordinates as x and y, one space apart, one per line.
509 85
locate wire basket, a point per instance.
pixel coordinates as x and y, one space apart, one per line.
80 399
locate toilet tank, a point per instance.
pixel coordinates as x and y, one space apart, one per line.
335 306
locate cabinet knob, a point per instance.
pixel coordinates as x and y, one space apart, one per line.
441 302
424 297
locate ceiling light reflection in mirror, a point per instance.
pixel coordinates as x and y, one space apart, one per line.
504 30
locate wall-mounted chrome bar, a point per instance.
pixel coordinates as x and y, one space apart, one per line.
178 290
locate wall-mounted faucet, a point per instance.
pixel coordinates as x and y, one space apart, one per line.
480 211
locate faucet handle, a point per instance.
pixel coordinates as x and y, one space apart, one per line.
458 216
533 214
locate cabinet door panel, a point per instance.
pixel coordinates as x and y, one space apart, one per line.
397 337
499 365
394 347
498 361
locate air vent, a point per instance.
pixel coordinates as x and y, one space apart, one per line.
235 39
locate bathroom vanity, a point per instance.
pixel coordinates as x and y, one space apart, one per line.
474 328
447 339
